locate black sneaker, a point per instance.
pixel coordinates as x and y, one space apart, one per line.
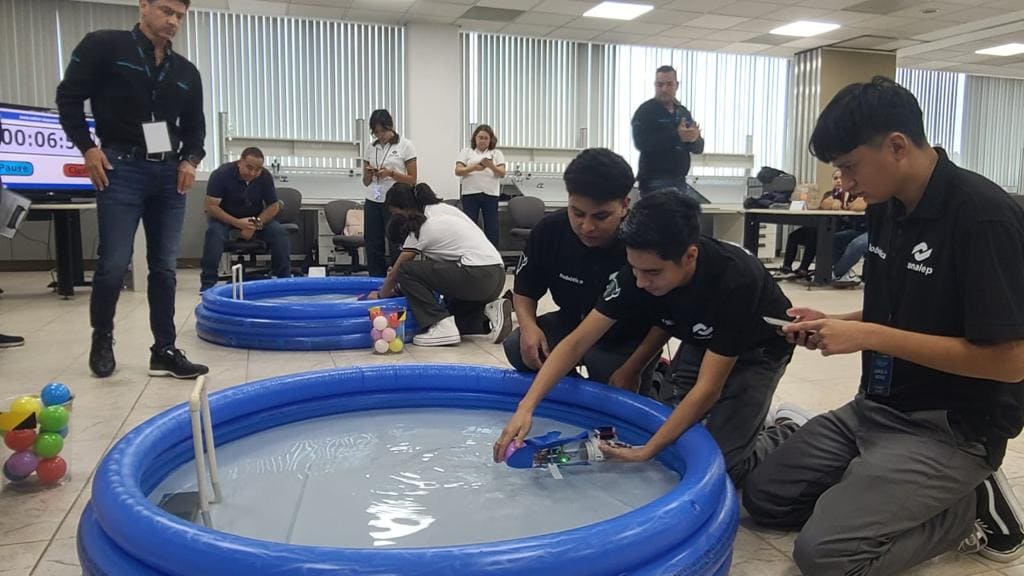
1000 516
101 357
172 362
11 341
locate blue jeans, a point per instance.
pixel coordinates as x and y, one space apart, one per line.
661 183
473 204
848 247
145 191
275 236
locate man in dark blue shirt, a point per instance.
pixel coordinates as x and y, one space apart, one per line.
665 134
241 202
148 104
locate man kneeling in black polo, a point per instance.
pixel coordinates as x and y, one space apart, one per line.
241 202
889 479
571 254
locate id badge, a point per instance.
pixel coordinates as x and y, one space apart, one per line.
377 195
158 139
880 376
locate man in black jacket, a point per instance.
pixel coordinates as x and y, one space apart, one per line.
665 134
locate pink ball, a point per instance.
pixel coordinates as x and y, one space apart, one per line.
22 463
510 449
389 334
376 334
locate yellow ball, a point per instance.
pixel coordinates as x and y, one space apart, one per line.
27 404
396 345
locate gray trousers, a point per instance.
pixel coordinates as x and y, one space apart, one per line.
601 361
876 490
736 421
466 290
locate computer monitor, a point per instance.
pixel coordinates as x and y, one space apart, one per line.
37 159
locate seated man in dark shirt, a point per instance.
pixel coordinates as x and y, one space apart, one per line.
571 254
241 202
712 295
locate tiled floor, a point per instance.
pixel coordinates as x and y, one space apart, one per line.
37 530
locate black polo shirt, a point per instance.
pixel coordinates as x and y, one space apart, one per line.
721 309
662 153
952 267
116 71
555 260
238 198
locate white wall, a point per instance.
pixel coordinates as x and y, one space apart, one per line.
433 56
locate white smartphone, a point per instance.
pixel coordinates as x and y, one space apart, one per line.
776 321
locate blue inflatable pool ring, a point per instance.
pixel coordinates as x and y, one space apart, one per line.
688 531
290 314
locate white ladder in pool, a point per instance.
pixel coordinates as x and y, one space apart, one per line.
202 427
237 290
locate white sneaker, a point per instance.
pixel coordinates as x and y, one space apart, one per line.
499 314
444 333
848 280
787 412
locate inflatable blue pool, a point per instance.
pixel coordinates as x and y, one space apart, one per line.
294 314
688 531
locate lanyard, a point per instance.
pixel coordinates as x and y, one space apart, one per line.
376 158
149 73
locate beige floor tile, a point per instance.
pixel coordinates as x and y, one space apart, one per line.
60 559
19 559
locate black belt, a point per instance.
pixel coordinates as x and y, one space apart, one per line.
139 153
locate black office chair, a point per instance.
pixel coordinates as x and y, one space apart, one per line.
336 213
524 213
290 217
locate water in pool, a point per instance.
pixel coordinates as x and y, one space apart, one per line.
408 478
328 297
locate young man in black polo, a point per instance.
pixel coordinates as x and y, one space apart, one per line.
241 200
711 295
889 479
571 254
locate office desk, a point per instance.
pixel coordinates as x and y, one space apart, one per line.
824 220
68 236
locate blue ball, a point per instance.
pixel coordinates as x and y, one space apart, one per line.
63 432
55 394
12 477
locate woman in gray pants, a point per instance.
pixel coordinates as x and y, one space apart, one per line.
458 262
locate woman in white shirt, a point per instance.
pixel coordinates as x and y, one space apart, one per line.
481 168
457 262
388 160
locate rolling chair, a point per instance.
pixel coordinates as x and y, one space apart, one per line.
337 213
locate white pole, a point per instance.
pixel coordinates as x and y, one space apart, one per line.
237 290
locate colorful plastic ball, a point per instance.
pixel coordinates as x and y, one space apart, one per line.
27 404
55 394
376 335
389 334
53 418
48 445
380 347
51 470
396 345
63 432
14 477
20 440
380 323
22 463
510 449
393 320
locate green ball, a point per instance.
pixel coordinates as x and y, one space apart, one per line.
53 418
48 445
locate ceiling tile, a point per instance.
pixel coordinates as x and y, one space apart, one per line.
746 48
594 23
528 29
829 4
326 12
760 25
666 16
259 7
373 16
480 25
717 21
510 4
794 13
747 9
382 5
689 32
732 35
574 34
570 7
544 19
694 5
706 45
645 28
620 38
438 9
328 3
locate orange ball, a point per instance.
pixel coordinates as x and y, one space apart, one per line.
393 320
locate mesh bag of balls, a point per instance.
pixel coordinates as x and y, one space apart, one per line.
35 428
388 329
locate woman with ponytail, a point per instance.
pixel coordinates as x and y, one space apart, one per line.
457 262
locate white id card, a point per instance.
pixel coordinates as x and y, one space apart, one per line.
158 139
377 192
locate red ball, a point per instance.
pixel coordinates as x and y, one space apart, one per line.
393 320
51 470
20 440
